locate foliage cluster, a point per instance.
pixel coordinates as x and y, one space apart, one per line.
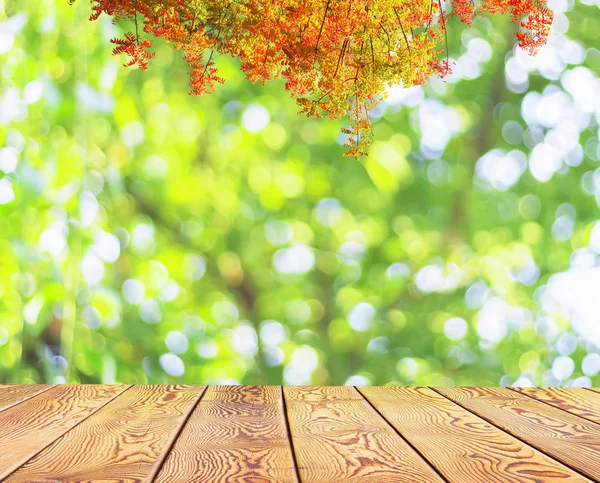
337 56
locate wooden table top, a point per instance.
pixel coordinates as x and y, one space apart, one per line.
297 434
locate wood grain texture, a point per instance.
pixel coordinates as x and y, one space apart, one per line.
29 427
338 437
12 394
177 434
577 400
463 447
126 441
236 434
563 436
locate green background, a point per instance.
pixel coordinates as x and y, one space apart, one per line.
150 236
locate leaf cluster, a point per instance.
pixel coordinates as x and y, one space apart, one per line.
337 56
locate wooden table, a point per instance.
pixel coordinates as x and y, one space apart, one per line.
308 434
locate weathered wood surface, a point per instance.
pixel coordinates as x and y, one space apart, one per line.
462 446
29 427
131 436
235 434
565 437
339 437
298 434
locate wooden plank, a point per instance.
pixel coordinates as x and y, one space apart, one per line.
576 400
463 447
13 394
31 426
568 438
126 440
236 433
338 436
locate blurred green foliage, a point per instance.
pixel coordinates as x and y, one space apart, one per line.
150 236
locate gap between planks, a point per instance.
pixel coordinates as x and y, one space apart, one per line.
26 398
289 434
169 446
401 435
531 396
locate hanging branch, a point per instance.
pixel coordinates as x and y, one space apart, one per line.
322 26
402 29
